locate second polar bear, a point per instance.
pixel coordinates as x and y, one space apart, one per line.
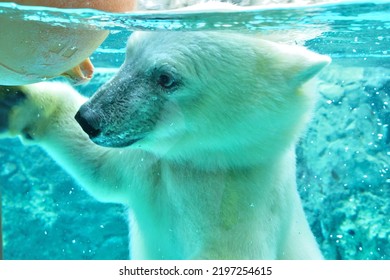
196 134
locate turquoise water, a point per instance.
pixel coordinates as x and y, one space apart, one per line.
343 161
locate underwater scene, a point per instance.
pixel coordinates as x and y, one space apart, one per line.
343 157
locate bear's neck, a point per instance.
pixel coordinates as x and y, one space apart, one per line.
226 161
198 213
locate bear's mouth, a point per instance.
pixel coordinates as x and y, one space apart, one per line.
119 141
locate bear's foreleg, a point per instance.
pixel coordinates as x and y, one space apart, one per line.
43 114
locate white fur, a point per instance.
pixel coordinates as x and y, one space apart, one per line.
216 178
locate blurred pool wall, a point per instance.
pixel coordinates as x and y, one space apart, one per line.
342 161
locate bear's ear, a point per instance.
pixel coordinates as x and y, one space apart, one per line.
306 64
295 63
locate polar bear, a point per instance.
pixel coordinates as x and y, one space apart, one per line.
195 133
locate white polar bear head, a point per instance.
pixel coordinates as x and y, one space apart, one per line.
185 93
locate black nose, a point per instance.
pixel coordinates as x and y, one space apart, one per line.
89 121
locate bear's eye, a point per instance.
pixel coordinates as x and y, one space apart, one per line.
166 81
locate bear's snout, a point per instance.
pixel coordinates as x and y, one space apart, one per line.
89 121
